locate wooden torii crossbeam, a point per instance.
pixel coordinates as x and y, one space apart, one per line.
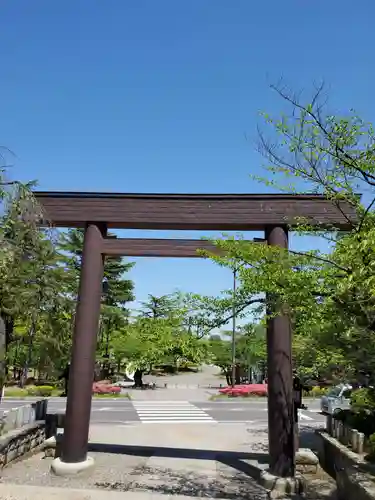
155 247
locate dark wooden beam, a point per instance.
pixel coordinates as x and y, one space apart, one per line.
149 247
222 212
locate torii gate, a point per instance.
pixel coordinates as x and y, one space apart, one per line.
97 212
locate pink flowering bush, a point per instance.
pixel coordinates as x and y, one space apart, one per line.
245 390
105 388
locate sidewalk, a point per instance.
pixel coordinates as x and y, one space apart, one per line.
183 394
17 492
149 462
154 462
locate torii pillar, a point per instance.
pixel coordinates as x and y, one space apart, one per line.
74 457
281 425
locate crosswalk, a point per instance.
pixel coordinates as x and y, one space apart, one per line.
170 412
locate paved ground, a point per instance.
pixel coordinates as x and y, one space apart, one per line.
160 462
207 376
123 411
144 463
193 460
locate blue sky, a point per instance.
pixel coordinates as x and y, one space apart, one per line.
164 96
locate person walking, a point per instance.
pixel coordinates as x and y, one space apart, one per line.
65 376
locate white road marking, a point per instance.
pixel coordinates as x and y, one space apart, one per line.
159 412
302 416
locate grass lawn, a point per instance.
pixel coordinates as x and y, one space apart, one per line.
32 391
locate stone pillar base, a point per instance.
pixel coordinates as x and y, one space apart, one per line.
60 468
282 487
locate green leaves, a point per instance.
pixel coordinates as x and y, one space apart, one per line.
159 307
329 296
149 341
118 290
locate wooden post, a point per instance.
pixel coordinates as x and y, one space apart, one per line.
78 410
281 417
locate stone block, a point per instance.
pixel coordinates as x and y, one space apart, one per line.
305 456
329 424
32 414
27 414
306 461
282 487
40 408
10 420
60 420
307 469
360 442
49 447
52 446
354 440
19 417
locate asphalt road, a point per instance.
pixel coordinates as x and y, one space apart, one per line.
123 411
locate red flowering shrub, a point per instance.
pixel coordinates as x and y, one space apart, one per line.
100 388
245 390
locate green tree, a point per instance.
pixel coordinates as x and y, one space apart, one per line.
25 251
329 296
250 351
221 352
334 156
117 289
153 341
158 307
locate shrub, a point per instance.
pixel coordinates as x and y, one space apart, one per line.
363 400
371 442
45 390
15 392
42 390
316 392
245 390
99 388
31 390
361 421
113 395
344 416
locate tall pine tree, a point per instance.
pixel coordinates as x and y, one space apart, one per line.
117 289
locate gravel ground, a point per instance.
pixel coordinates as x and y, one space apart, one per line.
169 476
129 473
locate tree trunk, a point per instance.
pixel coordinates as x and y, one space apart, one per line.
9 327
228 376
138 382
2 356
238 375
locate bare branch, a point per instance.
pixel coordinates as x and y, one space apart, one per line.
321 259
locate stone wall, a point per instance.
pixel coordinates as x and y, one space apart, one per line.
19 442
23 430
26 414
346 435
355 478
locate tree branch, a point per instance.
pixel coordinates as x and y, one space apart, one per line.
238 311
321 259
